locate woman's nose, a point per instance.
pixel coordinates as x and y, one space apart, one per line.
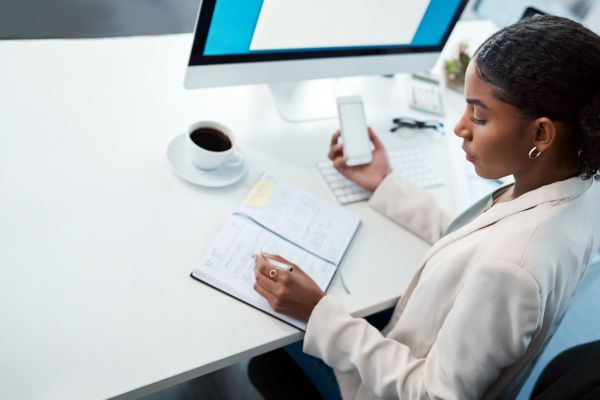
462 130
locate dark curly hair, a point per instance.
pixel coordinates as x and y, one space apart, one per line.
549 66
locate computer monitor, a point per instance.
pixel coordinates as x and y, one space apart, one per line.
271 41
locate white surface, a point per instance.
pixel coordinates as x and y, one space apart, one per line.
99 236
292 24
305 100
181 164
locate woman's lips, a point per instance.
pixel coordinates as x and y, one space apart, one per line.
470 157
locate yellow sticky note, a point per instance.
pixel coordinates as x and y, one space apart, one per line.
260 194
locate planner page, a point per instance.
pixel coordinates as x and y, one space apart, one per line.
228 263
315 224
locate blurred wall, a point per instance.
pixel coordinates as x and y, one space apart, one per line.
32 19
506 12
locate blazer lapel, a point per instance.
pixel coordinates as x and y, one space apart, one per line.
562 190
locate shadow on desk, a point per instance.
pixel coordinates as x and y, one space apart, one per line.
229 383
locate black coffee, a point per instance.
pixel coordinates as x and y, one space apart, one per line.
210 139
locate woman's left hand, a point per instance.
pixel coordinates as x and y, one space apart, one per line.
291 293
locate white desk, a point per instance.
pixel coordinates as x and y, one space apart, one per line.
98 237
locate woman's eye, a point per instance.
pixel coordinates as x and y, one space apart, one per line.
477 121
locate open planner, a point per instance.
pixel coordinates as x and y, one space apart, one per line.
278 218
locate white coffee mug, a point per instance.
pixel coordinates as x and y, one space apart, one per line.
206 154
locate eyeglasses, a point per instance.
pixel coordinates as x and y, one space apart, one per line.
407 122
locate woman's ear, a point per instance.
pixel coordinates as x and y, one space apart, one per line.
544 133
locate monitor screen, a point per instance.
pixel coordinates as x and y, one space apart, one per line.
234 31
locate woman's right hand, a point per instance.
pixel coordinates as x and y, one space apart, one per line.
368 176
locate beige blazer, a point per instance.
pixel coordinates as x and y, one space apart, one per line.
482 304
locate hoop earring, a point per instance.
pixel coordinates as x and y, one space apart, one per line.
532 157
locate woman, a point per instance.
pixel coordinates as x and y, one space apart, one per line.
498 278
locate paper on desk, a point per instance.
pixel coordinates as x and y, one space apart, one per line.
293 24
315 224
260 194
228 263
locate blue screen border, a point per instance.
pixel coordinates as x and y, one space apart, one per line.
206 11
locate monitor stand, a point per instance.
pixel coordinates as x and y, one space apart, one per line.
307 100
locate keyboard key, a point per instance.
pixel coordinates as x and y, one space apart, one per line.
409 162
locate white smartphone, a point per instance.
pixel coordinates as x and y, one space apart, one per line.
355 135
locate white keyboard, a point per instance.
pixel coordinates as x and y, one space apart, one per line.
410 163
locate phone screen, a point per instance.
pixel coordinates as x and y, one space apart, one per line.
354 130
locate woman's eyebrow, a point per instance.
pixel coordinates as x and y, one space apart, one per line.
477 102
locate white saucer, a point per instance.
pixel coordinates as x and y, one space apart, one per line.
182 167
